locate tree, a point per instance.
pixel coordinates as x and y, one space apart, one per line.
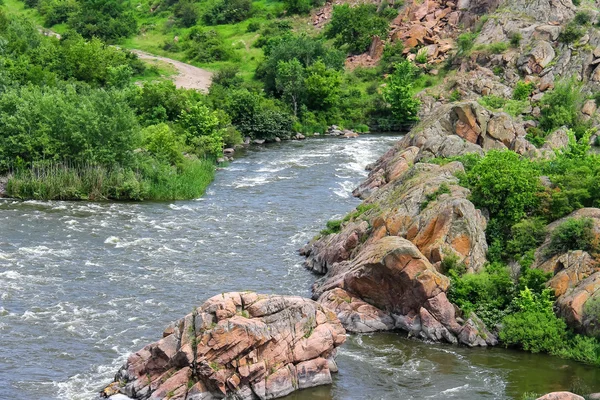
355 27
290 82
322 86
302 6
398 92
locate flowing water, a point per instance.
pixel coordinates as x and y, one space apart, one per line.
83 284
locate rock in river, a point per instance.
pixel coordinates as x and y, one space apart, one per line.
239 345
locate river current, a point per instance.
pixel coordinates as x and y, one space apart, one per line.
84 284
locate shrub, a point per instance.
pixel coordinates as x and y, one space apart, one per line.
253 26
492 101
526 235
523 90
421 57
498 47
227 76
573 234
398 92
560 106
333 226
186 12
465 42
355 27
227 11
302 6
583 18
206 46
507 185
570 33
515 39
534 327
108 20
536 136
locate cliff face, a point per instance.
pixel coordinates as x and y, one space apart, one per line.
384 269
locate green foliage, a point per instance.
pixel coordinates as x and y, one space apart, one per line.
560 106
62 124
465 42
302 6
498 47
442 189
206 46
290 82
534 327
108 20
186 13
354 27
574 234
227 11
536 136
455 96
571 33
526 235
158 102
228 77
202 130
515 39
583 17
506 184
421 57
523 90
162 142
492 101
488 293
333 226
398 92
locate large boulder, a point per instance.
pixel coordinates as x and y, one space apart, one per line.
399 289
236 345
561 396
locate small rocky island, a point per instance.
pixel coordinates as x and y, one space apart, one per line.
236 345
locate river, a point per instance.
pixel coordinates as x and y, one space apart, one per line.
83 284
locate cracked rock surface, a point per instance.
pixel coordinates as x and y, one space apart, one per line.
236 345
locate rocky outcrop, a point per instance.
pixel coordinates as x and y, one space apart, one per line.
576 278
381 271
403 291
465 127
236 345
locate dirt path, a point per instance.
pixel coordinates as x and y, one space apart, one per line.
188 76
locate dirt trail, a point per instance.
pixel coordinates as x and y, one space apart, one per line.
188 77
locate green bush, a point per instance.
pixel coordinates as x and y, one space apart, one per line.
536 136
227 11
333 226
506 184
466 42
515 39
573 234
398 92
355 27
534 327
498 47
302 6
492 101
523 90
109 20
583 17
560 106
526 235
571 33
206 46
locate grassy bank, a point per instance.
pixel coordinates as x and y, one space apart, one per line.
157 182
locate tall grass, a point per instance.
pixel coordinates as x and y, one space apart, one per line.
93 182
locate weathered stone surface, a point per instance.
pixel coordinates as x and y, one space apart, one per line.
561 396
557 140
392 275
238 345
576 278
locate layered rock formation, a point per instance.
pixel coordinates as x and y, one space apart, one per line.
236 345
576 278
382 271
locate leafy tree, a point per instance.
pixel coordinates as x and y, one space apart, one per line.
398 92
507 185
158 102
203 131
108 20
186 12
560 106
290 82
206 46
162 142
323 86
355 27
305 49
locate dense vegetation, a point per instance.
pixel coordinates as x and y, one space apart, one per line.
128 140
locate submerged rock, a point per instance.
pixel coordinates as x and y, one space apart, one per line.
238 345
